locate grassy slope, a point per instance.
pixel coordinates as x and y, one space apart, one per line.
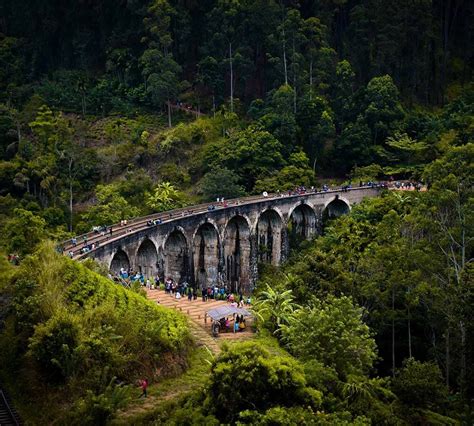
119 329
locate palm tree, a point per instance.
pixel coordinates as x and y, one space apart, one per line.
165 197
276 308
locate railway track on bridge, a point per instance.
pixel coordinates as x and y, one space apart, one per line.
142 223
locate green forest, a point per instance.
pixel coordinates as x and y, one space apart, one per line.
111 110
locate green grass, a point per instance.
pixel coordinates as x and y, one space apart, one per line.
169 394
163 397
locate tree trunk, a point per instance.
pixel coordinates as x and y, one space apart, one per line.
447 357
169 114
231 79
83 104
445 47
18 133
409 333
285 70
70 205
311 78
294 78
393 331
462 329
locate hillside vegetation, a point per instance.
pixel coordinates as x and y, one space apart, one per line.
74 343
110 109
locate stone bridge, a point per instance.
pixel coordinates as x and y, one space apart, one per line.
223 245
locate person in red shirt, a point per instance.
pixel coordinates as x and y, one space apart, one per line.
144 386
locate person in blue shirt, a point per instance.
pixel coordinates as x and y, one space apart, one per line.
236 324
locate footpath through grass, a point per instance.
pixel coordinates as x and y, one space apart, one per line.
170 394
164 395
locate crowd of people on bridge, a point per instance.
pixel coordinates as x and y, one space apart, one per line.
153 222
408 186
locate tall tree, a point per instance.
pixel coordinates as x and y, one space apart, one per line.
160 70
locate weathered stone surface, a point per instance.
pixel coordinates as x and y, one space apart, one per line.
225 245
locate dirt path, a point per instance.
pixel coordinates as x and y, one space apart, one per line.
142 411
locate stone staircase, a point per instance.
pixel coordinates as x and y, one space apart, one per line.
195 310
203 338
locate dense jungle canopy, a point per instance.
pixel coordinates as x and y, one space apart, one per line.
111 109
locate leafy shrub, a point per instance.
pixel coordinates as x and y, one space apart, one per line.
247 376
221 182
420 384
332 331
283 416
97 409
23 232
53 345
111 207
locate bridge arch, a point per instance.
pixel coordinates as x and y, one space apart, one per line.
147 258
269 236
176 256
336 207
301 223
119 260
206 254
237 253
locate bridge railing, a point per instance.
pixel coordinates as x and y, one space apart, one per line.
141 223
120 230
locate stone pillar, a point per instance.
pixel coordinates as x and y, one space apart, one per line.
188 264
253 263
192 278
222 271
160 265
319 220
285 243
132 258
